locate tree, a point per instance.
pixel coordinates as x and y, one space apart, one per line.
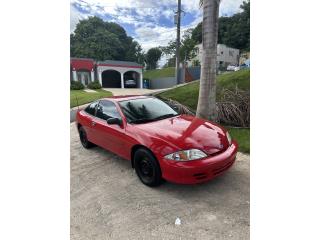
207 90
152 57
234 31
94 38
171 62
187 50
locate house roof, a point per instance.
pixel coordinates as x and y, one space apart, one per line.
119 63
88 63
82 64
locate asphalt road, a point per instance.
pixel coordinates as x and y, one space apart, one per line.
109 202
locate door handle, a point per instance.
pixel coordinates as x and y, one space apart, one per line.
93 123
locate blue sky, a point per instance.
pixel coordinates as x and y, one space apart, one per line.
149 22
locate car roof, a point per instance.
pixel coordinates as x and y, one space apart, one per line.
125 97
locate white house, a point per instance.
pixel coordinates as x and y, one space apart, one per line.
225 55
110 74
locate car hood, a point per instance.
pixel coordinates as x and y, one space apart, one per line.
187 132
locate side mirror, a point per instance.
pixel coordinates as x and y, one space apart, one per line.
117 121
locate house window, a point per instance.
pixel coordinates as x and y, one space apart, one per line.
231 53
221 52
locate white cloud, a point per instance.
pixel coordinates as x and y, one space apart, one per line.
75 16
230 6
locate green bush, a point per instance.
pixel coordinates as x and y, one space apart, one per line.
94 85
75 85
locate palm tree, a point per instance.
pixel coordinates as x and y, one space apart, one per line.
207 92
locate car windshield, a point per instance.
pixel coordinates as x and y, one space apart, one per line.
146 110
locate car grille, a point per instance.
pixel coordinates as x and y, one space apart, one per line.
214 172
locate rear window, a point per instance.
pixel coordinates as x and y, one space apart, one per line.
91 108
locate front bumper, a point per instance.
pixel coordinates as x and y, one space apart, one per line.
197 171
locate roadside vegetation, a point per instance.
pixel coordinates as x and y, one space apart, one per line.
159 73
242 136
86 97
188 94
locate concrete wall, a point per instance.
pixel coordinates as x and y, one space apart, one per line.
160 83
195 72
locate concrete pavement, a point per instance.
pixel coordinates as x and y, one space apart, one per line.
109 202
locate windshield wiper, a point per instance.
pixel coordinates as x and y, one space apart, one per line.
165 116
141 120
145 120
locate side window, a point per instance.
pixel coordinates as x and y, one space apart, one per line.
91 108
106 110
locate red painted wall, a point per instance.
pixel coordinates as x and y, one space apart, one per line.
78 64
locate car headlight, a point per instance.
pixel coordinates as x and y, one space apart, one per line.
229 138
186 155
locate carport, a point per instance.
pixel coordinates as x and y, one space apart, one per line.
111 79
112 74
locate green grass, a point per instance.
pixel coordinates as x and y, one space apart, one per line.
242 136
188 94
85 97
159 73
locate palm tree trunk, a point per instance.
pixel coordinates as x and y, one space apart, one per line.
207 93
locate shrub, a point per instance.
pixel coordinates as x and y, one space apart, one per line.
94 85
75 85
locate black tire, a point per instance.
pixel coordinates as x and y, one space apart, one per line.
84 140
147 168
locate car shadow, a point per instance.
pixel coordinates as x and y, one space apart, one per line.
232 180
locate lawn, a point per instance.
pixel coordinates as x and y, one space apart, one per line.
188 94
242 136
85 97
160 73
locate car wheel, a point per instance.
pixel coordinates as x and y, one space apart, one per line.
147 168
83 139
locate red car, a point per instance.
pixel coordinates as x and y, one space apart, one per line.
159 142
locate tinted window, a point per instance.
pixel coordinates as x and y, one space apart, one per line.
146 109
106 110
91 108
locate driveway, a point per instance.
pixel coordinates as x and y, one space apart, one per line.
109 202
132 91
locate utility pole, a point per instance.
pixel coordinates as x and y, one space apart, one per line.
178 22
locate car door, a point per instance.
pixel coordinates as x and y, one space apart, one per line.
88 119
109 136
